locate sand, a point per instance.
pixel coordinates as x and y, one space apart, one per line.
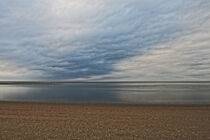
86 121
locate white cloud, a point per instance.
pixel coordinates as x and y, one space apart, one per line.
186 58
11 71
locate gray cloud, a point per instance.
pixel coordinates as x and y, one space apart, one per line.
64 39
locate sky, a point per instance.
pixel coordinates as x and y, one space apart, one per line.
136 40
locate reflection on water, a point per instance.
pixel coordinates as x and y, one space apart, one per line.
142 93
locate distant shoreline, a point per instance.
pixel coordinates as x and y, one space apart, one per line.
72 82
104 104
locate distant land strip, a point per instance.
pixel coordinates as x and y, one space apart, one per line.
69 82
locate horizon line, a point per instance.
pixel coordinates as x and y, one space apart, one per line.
66 82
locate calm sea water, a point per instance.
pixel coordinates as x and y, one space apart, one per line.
131 93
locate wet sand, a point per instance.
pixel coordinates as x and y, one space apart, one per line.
100 121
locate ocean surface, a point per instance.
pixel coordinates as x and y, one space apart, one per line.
113 92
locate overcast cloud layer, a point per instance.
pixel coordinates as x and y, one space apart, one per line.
105 40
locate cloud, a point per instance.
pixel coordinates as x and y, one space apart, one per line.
85 39
186 58
9 70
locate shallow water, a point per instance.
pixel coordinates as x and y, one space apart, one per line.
131 93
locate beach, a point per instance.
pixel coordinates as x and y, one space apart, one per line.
25 120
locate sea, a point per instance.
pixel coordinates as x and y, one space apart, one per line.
108 92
